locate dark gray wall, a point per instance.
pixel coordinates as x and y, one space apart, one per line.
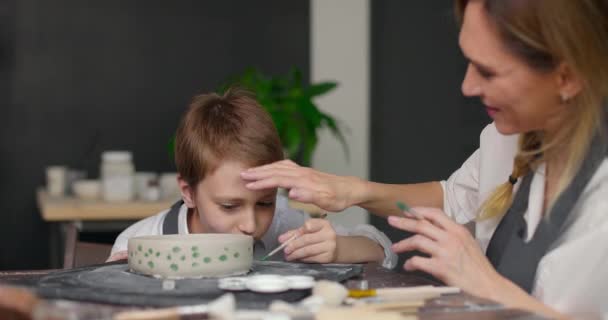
78 77
422 128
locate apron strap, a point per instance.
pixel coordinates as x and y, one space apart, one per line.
171 219
508 251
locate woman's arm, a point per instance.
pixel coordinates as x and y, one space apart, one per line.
381 198
336 193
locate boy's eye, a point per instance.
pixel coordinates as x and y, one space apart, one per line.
266 204
228 206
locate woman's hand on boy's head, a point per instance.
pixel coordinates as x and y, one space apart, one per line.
327 191
317 242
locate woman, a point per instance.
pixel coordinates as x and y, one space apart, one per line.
537 185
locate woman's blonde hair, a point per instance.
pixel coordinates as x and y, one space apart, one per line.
545 34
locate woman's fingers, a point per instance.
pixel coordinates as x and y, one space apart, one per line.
437 217
417 226
428 265
419 243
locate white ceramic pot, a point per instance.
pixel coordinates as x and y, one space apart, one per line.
191 256
87 189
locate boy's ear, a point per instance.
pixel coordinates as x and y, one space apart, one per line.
186 191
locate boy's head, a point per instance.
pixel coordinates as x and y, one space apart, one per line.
218 137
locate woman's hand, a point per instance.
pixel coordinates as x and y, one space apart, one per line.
327 191
316 242
454 256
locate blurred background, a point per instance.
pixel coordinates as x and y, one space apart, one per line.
81 77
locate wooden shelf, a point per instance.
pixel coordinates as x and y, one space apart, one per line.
71 209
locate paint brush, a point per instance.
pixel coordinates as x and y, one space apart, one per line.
405 208
264 258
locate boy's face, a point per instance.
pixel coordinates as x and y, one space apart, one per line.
222 204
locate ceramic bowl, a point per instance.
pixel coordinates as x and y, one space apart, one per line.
191 256
87 189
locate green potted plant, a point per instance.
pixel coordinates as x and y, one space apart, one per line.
291 105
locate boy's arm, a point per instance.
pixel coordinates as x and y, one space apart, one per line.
357 249
373 236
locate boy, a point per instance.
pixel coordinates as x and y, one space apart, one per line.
218 138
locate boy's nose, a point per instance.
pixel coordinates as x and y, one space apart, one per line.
247 223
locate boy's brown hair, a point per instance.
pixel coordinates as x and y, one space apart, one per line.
232 126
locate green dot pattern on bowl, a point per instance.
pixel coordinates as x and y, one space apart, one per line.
183 258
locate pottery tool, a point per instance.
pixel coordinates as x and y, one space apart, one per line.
405 208
264 258
223 308
403 293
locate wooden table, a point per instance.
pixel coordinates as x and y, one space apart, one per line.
455 306
71 216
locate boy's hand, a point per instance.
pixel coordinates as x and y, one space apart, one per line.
120 255
317 242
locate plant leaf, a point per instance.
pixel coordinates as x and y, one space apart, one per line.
320 88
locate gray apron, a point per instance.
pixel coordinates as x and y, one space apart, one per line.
508 252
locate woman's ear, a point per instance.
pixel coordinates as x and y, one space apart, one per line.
187 192
569 84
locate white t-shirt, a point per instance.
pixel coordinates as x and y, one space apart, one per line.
285 219
573 276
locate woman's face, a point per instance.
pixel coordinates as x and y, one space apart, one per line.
518 98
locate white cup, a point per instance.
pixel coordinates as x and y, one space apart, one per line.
169 189
56 180
142 183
